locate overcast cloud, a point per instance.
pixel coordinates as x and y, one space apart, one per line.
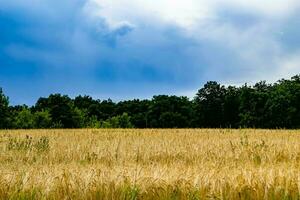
137 48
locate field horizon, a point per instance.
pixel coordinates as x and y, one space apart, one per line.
149 100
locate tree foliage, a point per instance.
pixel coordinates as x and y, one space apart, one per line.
259 106
4 111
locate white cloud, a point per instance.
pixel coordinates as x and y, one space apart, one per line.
187 13
255 51
182 13
200 20
290 66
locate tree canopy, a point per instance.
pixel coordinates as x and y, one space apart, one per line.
214 106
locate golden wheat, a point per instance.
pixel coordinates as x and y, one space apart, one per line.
150 164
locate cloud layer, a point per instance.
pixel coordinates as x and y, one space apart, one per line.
138 48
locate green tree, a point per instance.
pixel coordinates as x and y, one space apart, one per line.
259 106
162 107
253 108
209 102
4 111
172 120
231 107
24 119
120 121
93 122
136 109
283 105
42 119
62 110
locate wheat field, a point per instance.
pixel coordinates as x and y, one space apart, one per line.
150 164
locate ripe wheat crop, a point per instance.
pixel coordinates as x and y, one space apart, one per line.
150 164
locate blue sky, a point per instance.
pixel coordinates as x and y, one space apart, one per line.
126 49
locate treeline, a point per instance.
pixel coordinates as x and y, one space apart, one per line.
214 106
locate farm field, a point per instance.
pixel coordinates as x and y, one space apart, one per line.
150 164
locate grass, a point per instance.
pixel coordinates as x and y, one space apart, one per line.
150 164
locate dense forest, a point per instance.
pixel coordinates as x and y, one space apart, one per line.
214 106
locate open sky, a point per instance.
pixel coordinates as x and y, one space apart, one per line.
126 49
